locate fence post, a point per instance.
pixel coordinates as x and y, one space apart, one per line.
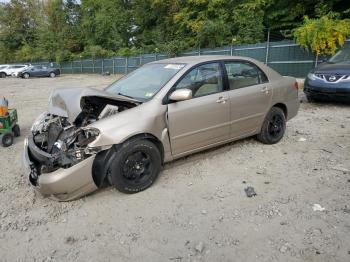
231 51
126 65
102 66
140 60
93 65
113 65
71 66
155 57
81 66
267 46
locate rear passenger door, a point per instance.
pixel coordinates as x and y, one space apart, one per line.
249 96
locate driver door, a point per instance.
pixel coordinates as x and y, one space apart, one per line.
203 120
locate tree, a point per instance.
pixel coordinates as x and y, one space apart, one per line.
322 35
107 23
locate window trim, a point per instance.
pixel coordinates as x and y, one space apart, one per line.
244 62
166 99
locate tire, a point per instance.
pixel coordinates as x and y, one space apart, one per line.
52 74
273 127
135 166
7 140
2 75
16 131
26 75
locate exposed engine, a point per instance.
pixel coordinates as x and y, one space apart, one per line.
66 142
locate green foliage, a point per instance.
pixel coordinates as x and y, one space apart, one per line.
61 30
322 35
96 51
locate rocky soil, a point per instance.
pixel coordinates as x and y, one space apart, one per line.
198 209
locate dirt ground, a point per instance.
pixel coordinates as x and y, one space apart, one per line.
197 210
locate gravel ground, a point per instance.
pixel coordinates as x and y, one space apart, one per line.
197 210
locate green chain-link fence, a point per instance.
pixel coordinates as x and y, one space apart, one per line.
285 57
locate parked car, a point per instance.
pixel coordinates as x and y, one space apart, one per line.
39 71
331 80
2 70
12 70
160 112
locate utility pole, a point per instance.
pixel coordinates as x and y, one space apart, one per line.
267 46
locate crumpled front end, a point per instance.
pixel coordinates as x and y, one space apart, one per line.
57 155
58 159
61 184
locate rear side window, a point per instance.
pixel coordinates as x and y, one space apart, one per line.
243 74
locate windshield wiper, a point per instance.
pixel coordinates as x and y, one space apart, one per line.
120 94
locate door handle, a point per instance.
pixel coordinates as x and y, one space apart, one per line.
221 100
265 90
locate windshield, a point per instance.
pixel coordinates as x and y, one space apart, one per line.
342 55
143 83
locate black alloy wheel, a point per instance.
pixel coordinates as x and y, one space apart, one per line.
273 127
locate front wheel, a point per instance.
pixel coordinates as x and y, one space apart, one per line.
7 140
2 75
273 127
135 166
52 75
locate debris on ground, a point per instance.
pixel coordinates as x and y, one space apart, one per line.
326 150
284 248
341 169
302 139
318 207
70 240
250 192
199 247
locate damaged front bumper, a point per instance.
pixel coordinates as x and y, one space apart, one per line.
61 184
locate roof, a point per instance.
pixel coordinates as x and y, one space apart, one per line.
199 59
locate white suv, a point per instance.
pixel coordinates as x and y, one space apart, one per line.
13 69
2 70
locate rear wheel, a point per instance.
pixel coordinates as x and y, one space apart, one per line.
52 74
273 127
26 75
135 166
16 131
2 75
7 139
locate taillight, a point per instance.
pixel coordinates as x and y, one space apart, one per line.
295 86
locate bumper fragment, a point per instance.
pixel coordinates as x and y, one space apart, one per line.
61 184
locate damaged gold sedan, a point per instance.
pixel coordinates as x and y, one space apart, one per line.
121 136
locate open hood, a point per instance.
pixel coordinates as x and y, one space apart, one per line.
66 102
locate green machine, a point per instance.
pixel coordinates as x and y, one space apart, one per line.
9 127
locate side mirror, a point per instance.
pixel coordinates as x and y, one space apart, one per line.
181 95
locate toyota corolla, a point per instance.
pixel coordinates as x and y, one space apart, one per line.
165 110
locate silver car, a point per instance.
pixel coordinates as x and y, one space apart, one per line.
160 112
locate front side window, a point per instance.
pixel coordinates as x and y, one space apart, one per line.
203 80
143 83
241 74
